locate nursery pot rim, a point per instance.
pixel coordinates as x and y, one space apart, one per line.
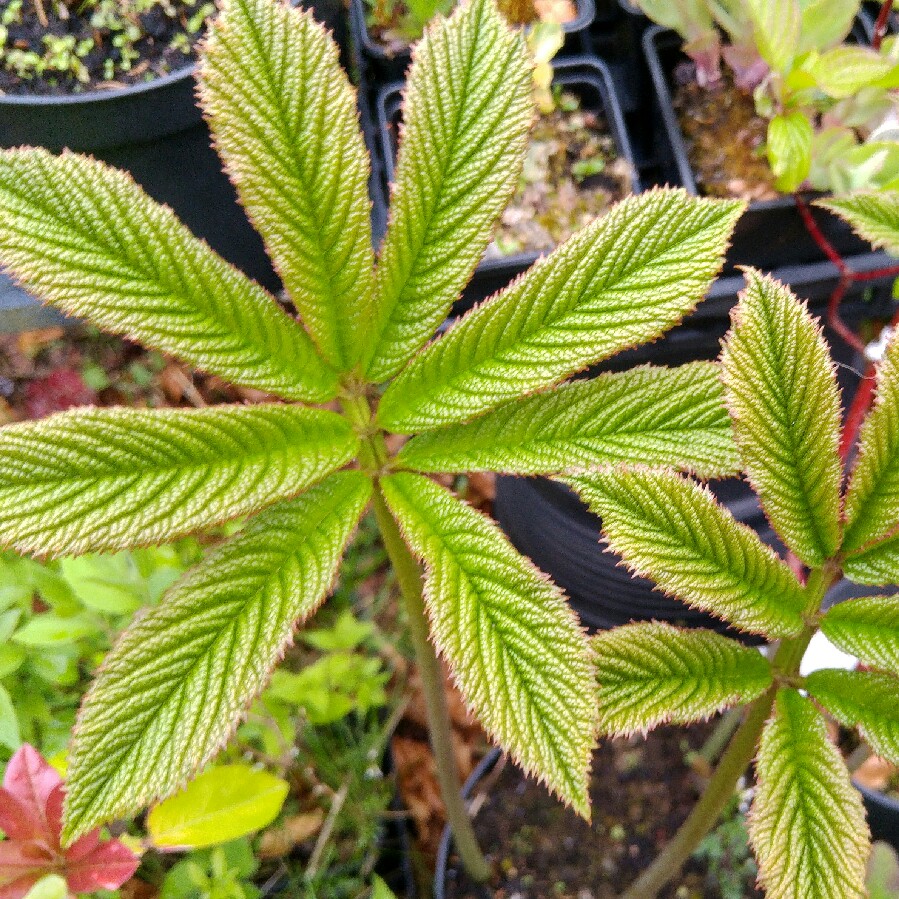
481 770
581 68
100 95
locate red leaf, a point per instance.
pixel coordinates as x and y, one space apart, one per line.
106 868
60 390
22 864
18 820
30 781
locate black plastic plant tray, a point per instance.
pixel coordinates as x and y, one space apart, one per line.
385 67
770 234
586 76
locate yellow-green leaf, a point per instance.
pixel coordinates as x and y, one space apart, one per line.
867 628
518 654
785 404
807 824
224 803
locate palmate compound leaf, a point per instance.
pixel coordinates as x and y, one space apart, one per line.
173 688
651 416
785 405
807 825
872 498
467 111
105 479
874 215
513 644
87 239
622 280
283 115
652 673
863 699
672 530
867 628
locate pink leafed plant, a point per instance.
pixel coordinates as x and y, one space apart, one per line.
31 817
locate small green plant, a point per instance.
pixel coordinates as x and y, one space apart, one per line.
84 237
99 40
807 824
827 102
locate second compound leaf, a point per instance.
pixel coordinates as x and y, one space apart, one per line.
783 397
670 529
807 824
652 673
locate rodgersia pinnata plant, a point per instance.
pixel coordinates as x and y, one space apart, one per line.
807 825
85 238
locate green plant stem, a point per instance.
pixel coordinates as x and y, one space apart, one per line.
439 723
736 759
720 736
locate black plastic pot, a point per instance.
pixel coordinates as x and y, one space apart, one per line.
441 871
548 523
585 76
883 815
155 131
385 67
770 234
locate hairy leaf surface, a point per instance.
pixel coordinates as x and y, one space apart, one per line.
872 498
807 824
652 673
785 405
517 652
171 691
105 479
284 118
672 530
874 215
650 416
622 280
876 565
87 239
862 699
867 628
466 114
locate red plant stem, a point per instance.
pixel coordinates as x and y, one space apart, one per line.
833 313
817 234
882 23
861 402
890 271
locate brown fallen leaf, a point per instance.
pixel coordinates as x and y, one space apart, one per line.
279 841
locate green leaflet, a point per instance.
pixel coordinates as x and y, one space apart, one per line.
672 530
649 416
284 119
517 652
862 699
653 673
807 824
785 405
171 691
790 149
622 280
867 628
777 28
877 565
87 239
467 112
872 498
847 69
874 215
105 479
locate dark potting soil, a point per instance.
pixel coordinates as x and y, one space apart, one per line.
641 791
724 137
98 47
572 174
